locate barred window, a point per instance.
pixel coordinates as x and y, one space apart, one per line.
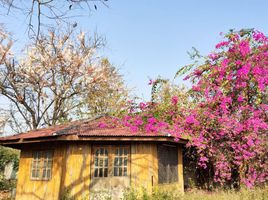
101 162
120 161
42 165
167 163
36 165
47 165
110 161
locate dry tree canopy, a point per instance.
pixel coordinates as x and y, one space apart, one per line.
60 77
45 13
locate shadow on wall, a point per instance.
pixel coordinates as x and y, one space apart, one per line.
71 178
38 189
76 181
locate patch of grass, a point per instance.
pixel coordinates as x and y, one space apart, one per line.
243 194
130 194
142 194
160 194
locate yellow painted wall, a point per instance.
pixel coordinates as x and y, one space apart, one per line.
144 168
71 171
77 170
28 189
180 170
143 165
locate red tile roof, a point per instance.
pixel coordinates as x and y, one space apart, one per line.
86 128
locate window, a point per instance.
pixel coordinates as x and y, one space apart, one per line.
36 165
167 164
110 161
101 162
120 161
41 165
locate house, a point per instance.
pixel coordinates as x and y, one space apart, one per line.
81 159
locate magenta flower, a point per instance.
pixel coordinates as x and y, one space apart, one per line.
191 120
138 122
250 142
203 159
174 100
151 82
198 72
222 44
152 120
196 88
213 56
260 37
134 128
142 105
244 70
240 98
186 78
244 48
102 125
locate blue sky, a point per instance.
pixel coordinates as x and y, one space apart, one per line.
148 38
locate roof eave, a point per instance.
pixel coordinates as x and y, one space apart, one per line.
21 141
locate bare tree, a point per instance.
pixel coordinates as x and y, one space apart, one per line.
39 12
4 117
50 83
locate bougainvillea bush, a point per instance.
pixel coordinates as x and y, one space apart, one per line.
224 114
229 125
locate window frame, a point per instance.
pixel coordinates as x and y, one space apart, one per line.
121 161
103 157
111 160
41 166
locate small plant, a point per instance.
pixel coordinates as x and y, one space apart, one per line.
157 194
160 194
66 195
130 194
145 195
100 195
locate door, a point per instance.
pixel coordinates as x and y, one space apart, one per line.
167 163
110 171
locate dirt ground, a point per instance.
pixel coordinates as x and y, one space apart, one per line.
4 195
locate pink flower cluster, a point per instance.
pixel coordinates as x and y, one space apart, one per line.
229 123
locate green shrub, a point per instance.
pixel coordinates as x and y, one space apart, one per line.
8 155
7 184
